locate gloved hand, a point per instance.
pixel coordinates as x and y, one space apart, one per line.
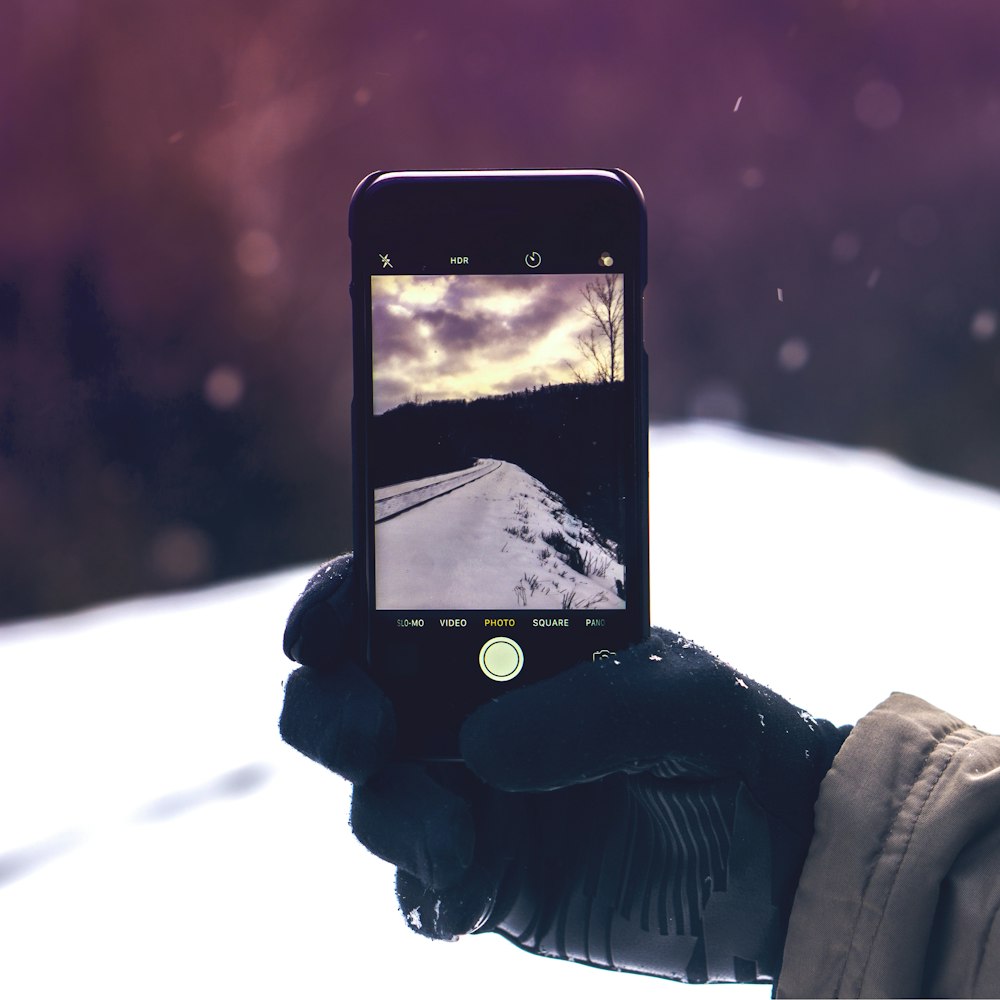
649 813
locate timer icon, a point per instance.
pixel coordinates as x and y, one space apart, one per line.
533 259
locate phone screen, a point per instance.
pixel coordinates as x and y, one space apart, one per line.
500 483
496 458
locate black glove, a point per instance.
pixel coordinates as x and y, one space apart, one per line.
649 813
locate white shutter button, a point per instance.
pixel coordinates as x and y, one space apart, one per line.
501 659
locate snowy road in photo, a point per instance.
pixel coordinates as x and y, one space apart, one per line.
501 541
391 501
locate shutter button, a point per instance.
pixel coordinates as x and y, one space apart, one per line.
501 659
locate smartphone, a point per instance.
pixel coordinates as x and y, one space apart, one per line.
499 433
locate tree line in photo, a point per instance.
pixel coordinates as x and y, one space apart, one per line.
567 436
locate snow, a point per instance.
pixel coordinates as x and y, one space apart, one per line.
158 840
490 542
834 576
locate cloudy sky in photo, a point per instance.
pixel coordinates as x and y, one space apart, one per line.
470 335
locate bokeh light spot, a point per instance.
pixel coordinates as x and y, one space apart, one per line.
224 387
878 105
257 253
181 554
845 247
984 324
793 355
989 122
717 399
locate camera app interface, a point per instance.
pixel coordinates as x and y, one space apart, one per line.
499 418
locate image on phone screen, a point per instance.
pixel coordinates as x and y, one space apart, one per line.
499 411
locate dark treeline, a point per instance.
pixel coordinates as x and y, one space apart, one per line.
567 436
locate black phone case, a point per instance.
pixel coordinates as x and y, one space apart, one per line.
429 704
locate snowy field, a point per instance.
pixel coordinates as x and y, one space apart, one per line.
500 540
157 840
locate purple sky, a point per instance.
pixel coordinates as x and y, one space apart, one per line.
465 336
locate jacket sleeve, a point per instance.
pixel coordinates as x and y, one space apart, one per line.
900 893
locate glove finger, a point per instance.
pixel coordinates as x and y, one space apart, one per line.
412 821
446 914
339 719
613 714
664 702
319 626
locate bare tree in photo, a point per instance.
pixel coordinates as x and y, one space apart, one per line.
601 345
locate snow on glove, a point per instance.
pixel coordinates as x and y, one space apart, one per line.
648 813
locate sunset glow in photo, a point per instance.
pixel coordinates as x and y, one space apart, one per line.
466 336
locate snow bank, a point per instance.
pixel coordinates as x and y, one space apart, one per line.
834 575
492 542
157 840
